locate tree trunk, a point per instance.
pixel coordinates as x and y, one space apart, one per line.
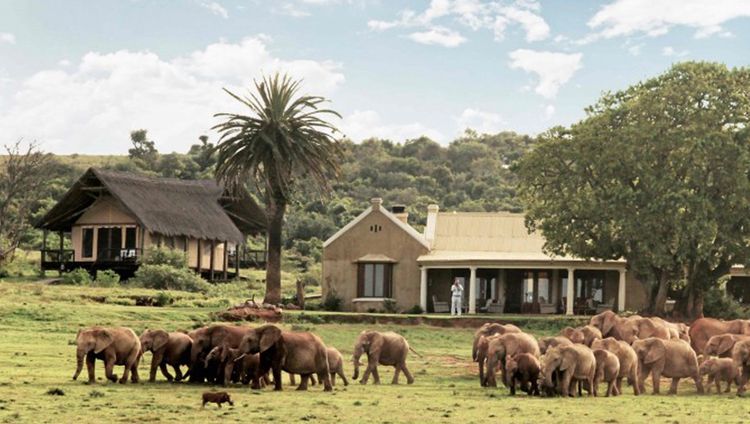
276 211
660 301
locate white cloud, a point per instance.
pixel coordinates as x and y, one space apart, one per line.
553 69
438 35
215 8
92 105
635 49
657 17
549 111
494 16
481 121
6 37
290 9
363 124
670 51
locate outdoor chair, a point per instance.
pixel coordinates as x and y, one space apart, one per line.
440 307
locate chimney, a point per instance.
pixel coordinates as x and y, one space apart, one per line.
429 229
400 212
376 202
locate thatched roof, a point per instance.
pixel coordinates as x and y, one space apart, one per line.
171 207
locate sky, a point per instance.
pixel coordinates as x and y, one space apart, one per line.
78 76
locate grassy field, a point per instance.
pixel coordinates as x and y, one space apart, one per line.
38 326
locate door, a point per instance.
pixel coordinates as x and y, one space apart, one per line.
109 243
514 291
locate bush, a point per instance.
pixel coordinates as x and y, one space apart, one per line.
165 256
166 277
718 304
163 299
390 306
332 302
107 278
77 277
414 310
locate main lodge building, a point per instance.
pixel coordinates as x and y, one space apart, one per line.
503 268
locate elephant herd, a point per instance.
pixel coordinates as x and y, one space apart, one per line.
611 349
224 354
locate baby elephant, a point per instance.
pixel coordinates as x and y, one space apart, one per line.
217 398
523 368
607 370
718 370
336 365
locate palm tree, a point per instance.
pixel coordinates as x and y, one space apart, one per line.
284 140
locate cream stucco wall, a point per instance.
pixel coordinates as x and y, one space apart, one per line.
340 269
105 212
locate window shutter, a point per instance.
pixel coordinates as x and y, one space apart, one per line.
360 280
388 280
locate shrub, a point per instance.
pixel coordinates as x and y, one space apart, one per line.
390 306
164 256
107 278
414 310
77 277
718 304
166 277
332 301
163 299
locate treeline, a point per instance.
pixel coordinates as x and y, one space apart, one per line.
472 173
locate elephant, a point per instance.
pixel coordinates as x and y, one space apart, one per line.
722 345
336 365
718 370
673 358
677 330
113 345
167 349
628 329
207 338
573 334
703 329
523 368
628 361
479 347
545 343
574 362
297 353
741 358
607 370
386 348
236 366
590 333
502 346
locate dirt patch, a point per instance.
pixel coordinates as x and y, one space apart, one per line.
251 311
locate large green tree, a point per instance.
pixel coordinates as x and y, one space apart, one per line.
283 142
656 174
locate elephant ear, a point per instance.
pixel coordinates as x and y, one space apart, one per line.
726 344
160 340
569 359
656 352
608 321
271 335
103 338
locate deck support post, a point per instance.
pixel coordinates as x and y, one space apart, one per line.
199 259
60 253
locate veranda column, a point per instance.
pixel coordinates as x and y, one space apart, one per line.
621 292
472 290
571 292
423 288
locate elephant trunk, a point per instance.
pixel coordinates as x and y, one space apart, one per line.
80 353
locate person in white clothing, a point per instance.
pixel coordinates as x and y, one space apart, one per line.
457 294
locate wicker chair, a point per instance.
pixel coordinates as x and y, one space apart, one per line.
440 307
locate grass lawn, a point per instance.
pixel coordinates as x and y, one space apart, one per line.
38 325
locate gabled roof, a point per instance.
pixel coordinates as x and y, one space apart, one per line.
376 206
172 207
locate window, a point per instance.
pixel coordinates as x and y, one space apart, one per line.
87 250
130 238
375 280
